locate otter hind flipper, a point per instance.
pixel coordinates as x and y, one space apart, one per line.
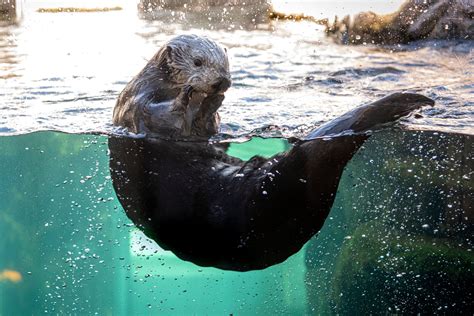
373 116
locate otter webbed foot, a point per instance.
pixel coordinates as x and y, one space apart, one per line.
373 116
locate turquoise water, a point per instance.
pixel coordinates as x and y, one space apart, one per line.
398 239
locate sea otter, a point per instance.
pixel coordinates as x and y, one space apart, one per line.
213 209
178 92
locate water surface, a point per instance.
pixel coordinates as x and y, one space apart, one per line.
64 71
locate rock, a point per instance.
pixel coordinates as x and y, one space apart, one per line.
415 20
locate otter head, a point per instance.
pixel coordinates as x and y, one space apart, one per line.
199 63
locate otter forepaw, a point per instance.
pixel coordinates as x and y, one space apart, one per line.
188 91
182 100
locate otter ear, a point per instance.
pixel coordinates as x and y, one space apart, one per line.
225 50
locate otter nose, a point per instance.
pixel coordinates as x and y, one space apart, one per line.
222 84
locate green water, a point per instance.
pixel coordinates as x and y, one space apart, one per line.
398 239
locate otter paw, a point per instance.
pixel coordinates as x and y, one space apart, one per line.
188 90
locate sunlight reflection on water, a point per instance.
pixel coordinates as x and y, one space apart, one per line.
64 71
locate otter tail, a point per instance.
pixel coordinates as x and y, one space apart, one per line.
373 116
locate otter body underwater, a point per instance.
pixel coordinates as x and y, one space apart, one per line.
210 208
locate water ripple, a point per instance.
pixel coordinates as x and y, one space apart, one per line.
286 80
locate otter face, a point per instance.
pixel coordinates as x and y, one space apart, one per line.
199 63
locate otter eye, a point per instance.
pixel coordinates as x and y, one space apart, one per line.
198 62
